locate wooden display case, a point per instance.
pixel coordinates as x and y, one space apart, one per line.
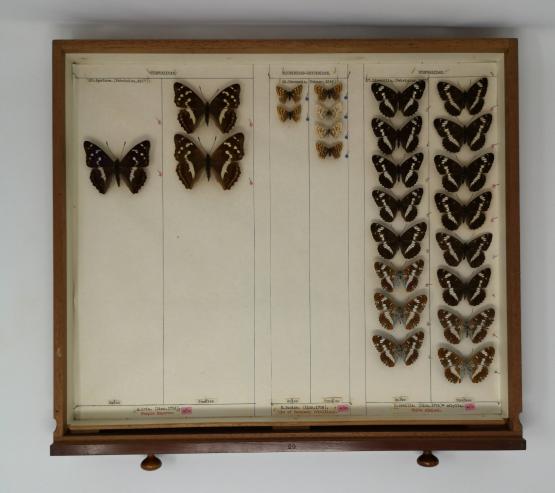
255 310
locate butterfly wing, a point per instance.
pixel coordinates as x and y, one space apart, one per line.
408 134
476 171
479 325
453 98
388 310
475 132
410 240
452 364
452 212
475 96
475 210
133 164
225 160
475 289
387 170
412 310
408 99
411 346
386 274
193 106
388 241
387 204
408 169
474 250
325 151
452 172
324 131
452 134
387 349
324 93
453 248
223 106
452 324
453 288
411 274
480 362
387 98
102 166
408 204
190 160
386 134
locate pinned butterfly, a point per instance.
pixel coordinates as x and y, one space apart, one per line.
474 328
390 205
406 314
392 351
391 138
391 173
456 367
406 278
131 168
456 99
222 108
389 242
405 101
223 162
455 289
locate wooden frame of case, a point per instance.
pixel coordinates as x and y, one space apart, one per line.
502 434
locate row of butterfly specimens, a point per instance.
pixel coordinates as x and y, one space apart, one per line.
465 239
398 227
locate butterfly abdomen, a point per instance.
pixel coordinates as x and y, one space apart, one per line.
117 171
207 166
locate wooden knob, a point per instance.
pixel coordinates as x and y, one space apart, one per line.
427 459
151 463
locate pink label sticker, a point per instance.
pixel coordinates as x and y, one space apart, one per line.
186 410
343 408
469 406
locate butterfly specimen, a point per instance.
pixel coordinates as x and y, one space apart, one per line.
390 242
455 289
285 94
333 151
287 114
392 313
391 173
456 366
392 351
333 92
455 174
335 130
130 168
222 107
224 161
475 328
389 205
454 136
407 277
329 112
454 213
456 100
456 250
392 101
389 138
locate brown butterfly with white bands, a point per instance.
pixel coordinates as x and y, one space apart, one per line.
393 313
456 366
285 94
224 161
457 327
455 289
392 351
333 92
325 151
407 277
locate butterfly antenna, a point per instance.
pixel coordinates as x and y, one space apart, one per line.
122 149
213 144
108 147
201 93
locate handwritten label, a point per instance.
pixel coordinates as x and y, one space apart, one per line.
310 409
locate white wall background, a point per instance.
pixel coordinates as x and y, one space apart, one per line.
26 30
